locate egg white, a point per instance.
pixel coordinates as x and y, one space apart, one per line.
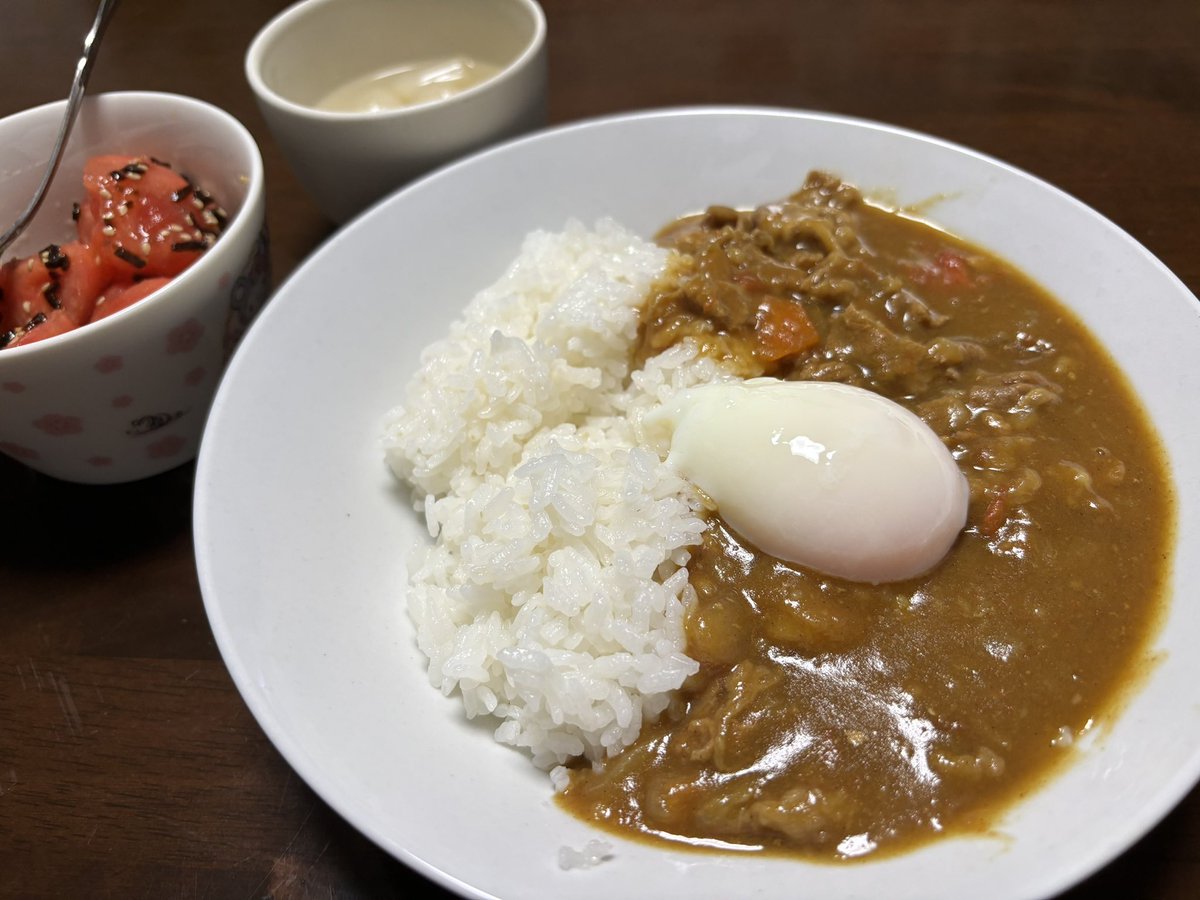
832 477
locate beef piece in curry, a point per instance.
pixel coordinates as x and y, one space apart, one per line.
834 719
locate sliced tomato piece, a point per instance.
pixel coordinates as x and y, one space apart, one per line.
140 224
8 318
145 218
954 268
783 329
43 326
64 278
117 297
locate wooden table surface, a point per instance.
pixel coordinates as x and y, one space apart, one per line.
129 765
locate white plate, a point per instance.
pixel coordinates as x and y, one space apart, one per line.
300 532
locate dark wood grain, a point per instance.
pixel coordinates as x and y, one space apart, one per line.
129 765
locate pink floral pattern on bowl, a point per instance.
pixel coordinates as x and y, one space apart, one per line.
166 447
18 451
106 364
58 425
184 338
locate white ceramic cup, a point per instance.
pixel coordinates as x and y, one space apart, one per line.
127 396
347 160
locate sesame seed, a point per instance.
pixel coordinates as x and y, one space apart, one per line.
108 230
104 192
145 248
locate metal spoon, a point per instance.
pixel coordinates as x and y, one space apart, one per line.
91 44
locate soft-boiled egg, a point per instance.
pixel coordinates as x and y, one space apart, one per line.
828 476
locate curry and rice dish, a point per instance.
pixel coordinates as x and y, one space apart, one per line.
795 712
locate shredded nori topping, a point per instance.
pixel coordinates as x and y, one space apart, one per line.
53 258
132 258
183 246
50 292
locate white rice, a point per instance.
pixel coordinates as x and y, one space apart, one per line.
588 856
554 595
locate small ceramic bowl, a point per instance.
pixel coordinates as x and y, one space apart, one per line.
126 397
349 159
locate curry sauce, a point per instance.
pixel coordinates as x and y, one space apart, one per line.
837 720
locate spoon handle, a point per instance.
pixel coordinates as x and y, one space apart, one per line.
83 69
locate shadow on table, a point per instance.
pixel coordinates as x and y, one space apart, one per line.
329 858
52 523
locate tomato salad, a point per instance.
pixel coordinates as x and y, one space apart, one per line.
140 224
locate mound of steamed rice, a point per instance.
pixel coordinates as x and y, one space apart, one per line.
554 594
